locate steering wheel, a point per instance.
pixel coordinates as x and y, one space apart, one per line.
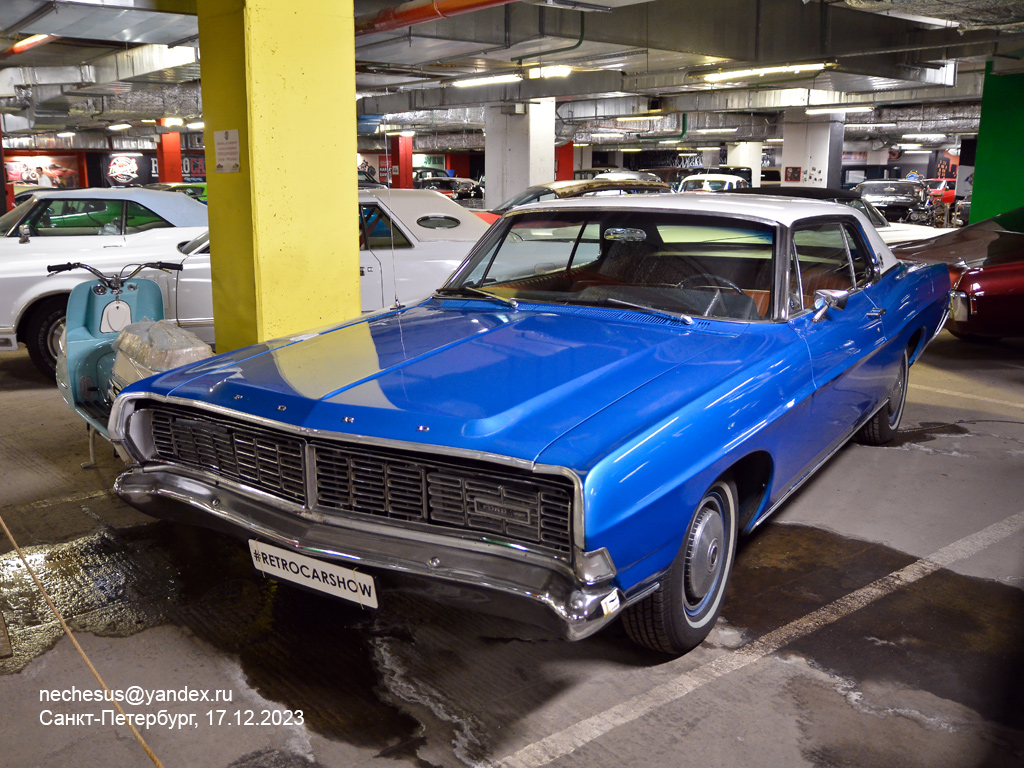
714 281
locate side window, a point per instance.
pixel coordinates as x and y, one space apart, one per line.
77 217
377 229
859 254
140 219
823 260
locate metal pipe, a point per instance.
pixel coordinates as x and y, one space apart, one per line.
418 12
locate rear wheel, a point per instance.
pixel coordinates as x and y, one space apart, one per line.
43 330
884 425
681 612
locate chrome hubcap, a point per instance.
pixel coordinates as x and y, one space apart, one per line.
896 397
704 552
53 339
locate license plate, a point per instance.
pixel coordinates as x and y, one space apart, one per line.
315 574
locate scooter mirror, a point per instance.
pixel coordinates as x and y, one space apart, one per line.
24 231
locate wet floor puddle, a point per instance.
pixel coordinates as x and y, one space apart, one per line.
390 680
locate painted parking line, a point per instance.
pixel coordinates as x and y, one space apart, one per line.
965 396
566 741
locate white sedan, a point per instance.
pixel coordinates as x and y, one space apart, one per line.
106 228
410 241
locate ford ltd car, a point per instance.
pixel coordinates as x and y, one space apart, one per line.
576 427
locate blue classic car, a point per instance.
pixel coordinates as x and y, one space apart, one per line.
578 425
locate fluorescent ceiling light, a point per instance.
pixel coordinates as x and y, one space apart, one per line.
119 126
198 126
579 145
773 141
832 110
711 146
407 134
555 70
29 42
608 135
743 74
908 146
871 125
171 122
714 130
669 141
924 135
640 117
150 120
917 152
65 135
630 149
688 154
488 80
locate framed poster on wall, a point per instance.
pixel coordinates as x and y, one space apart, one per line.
793 173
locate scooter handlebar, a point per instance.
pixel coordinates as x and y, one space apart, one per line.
53 268
167 265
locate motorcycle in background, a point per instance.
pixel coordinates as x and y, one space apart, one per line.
114 335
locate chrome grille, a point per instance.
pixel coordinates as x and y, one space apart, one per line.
382 483
404 486
261 458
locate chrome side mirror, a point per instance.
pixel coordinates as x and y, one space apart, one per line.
24 231
828 298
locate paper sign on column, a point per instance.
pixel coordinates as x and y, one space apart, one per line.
226 152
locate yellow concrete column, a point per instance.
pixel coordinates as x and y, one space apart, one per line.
284 244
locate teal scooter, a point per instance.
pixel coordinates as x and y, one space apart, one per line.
97 312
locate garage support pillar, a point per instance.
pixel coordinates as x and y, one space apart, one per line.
1000 144
812 155
584 157
279 107
401 156
168 155
746 154
519 147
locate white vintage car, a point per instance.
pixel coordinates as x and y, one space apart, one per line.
409 240
106 228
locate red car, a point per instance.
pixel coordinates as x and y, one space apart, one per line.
943 190
986 272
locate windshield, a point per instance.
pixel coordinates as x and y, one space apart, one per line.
935 184
198 244
687 264
12 217
528 195
890 188
869 210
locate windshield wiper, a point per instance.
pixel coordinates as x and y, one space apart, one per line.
686 319
462 290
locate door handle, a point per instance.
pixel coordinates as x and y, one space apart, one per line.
875 313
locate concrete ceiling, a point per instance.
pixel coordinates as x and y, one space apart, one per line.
129 60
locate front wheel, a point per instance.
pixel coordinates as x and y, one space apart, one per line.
884 425
682 610
43 330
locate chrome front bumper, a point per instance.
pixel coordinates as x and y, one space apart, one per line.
522 585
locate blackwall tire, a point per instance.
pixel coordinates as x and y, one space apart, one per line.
884 425
42 333
682 611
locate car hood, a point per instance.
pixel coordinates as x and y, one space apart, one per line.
466 374
979 245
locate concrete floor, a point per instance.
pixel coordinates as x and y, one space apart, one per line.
878 620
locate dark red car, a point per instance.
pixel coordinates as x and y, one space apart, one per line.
986 272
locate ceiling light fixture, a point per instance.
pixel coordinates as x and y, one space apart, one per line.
65 135
773 141
714 130
689 154
630 149
197 126
555 70
607 135
908 146
119 126
833 110
709 147
917 152
172 122
925 136
407 134
640 117
859 126
743 74
669 141
29 42
488 80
